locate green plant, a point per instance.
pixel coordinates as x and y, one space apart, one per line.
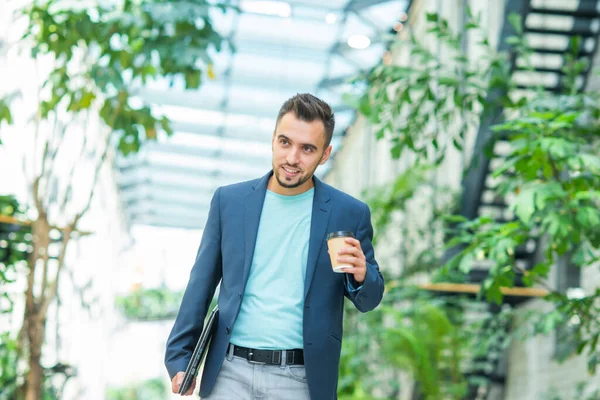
412 105
15 240
150 304
552 174
424 341
8 366
390 198
96 56
152 389
5 114
581 392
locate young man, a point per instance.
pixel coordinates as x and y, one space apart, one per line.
279 329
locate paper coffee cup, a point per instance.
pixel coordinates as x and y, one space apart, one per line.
336 242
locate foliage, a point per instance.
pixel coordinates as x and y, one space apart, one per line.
93 59
5 114
550 178
14 242
13 238
428 337
386 199
424 341
581 392
150 304
554 173
103 51
152 389
414 105
8 366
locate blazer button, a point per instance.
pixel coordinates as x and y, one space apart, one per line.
227 330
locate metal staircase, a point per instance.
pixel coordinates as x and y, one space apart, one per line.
549 31
550 28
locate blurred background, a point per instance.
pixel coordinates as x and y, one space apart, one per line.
471 128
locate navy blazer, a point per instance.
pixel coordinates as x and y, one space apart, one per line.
225 255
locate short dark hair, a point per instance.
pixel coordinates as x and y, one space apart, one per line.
309 108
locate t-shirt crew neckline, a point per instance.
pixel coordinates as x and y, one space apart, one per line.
300 196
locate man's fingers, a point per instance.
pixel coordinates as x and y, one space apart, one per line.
354 242
357 251
176 382
191 389
348 250
348 260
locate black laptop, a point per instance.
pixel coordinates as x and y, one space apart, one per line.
200 351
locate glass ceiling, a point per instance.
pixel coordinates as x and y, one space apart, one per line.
222 131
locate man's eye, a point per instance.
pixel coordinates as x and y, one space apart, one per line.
308 149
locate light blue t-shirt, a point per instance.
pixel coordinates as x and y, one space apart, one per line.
271 312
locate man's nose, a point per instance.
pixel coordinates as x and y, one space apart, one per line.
292 156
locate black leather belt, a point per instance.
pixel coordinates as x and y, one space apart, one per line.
272 357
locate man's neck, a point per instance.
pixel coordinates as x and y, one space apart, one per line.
275 187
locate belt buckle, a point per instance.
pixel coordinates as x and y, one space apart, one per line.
250 360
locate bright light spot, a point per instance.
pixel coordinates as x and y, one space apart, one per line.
359 42
331 18
575 293
403 16
278 8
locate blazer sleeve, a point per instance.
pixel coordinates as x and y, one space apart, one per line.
368 295
204 278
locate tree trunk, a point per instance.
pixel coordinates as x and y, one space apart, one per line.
34 319
36 331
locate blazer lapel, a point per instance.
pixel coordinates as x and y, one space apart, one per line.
318 228
253 209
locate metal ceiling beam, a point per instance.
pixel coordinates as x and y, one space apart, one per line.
174 195
221 155
246 80
278 49
340 80
180 173
157 203
145 188
170 222
195 100
134 188
357 5
246 134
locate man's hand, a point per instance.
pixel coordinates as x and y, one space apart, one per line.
178 380
354 255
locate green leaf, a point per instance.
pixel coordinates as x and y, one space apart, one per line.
365 106
513 40
432 17
448 81
455 218
457 144
588 217
192 79
466 263
524 205
517 22
593 361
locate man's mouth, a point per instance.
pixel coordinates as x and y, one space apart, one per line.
291 172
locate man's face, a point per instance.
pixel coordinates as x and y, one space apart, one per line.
298 149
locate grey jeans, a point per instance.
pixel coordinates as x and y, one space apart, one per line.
242 380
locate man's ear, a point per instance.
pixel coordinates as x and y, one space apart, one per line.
325 155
